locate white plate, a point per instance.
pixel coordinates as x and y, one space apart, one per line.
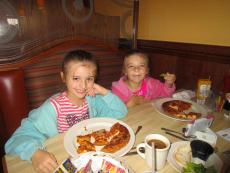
212 160
195 108
97 159
90 125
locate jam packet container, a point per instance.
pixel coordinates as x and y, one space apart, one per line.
203 90
111 168
66 167
99 162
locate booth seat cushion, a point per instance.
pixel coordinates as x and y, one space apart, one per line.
13 100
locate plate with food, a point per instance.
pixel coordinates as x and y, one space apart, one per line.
99 135
180 156
97 162
179 109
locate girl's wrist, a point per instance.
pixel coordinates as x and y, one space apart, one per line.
170 85
104 92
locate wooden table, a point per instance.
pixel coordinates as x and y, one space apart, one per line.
144 115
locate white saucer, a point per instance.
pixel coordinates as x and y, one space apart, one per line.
212 160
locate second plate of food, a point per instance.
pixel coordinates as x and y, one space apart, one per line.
180 153
179 109
99 134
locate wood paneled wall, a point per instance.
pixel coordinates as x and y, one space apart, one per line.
189 62
42 72
39 27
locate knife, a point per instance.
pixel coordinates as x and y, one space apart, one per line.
176 136
131 153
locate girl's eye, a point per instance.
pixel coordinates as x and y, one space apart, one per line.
130 66
76 78
142 66
137 67
90 79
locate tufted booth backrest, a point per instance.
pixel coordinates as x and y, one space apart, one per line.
13 100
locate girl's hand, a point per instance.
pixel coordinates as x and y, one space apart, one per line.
169 79
97 89
136 100
44 162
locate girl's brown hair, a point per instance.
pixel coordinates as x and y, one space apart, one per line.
79 56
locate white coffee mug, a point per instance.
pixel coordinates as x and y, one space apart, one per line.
160 154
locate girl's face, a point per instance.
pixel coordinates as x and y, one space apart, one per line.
135 68
79 77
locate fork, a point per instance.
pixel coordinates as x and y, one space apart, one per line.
173 131
136 132
138 129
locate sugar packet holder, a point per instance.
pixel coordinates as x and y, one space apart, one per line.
68 167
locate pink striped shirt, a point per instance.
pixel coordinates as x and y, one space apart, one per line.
68 114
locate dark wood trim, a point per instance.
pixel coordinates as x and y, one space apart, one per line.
220 54
135 22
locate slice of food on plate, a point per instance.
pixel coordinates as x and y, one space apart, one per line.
180 109
85 146
82 138
110 141
99 132
119 137
100 137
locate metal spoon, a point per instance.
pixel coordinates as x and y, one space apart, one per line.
136 132
141 149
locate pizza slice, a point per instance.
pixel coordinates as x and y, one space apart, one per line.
119 137
82 138
100 137
179 109
85 146
115 144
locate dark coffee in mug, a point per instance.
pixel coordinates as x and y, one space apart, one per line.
157 143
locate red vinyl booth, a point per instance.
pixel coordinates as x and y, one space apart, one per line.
13 103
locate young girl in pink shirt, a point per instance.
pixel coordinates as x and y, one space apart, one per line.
136 87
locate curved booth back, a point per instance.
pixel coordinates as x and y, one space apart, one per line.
13 100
